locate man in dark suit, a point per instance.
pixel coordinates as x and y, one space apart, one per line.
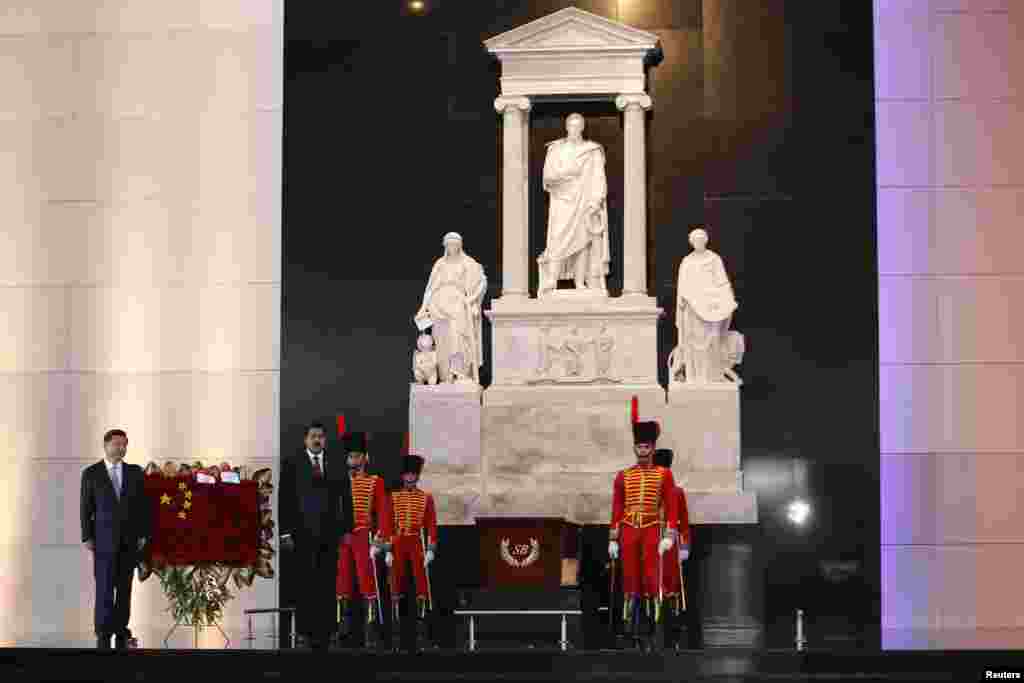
315 503
116 523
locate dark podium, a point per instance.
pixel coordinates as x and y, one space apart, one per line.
529 589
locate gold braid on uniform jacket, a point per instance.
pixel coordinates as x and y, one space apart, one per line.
363 486
409 506
643 496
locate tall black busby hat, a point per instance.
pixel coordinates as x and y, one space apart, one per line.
355 442
663 457
412 464
646 432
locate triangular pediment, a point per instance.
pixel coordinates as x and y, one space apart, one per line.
572 28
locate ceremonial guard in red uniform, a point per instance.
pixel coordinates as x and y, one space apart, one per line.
673 590
413 545
370 536
643 524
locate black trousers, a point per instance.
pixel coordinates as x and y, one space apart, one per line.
316 609
114 572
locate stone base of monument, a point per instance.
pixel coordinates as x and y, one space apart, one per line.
702 427
553 450
444 427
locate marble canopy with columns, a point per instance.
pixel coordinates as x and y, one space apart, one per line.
548 435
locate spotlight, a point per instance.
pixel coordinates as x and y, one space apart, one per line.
798 511
417 5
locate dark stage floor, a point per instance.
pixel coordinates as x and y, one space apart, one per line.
191 666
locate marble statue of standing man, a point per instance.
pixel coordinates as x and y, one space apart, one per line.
704 308
577 238
451 305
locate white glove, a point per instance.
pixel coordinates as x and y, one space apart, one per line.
388 559
374 551
665 546
684 553
428 557
613 550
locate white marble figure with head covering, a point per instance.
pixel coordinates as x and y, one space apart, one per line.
451 306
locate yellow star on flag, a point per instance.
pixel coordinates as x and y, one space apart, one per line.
182 486
187 504
165 499
183 515
188 495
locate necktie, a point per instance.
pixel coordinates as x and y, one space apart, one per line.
116 477
317 472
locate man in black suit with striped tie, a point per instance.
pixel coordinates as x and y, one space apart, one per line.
116 522
315 502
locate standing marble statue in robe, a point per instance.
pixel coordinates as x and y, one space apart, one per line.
451 305
577 238
704 308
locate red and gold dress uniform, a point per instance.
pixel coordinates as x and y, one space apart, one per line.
415 518
372 513
671 571
642 495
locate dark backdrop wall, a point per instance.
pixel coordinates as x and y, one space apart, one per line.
762 129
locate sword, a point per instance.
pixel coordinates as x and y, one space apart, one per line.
394 592
661 579
682 591
611 596
426 569
376 585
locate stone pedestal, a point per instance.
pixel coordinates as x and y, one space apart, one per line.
444 427
702 426
554 450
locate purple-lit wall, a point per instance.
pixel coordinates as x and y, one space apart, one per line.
950 136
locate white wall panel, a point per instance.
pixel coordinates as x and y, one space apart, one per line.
904 235
975 231
35 71
909 319
34 321
36 409
978 143
902 135
902 72
140 153
972 56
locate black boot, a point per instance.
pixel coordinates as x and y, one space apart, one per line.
103 641
371 635
678 630
396 626
422 626
636 617
659 617
343 634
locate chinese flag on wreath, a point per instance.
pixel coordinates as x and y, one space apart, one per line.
196 523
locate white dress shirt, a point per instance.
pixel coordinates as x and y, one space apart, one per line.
321 454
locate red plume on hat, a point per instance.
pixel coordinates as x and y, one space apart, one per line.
634 410
643 432
341 426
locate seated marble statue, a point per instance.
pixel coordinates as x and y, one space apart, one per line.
577 237
704 308
451 306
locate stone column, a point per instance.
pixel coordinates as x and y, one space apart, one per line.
514 199
634 249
